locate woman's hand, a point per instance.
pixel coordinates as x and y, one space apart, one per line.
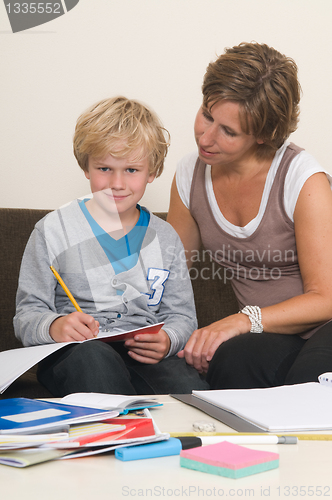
149 348
204 342
76 326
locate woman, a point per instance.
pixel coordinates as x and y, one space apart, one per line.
263 207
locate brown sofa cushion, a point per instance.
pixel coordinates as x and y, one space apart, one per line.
16 226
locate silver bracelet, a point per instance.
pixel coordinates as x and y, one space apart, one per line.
255 315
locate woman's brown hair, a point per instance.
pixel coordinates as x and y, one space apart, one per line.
264 82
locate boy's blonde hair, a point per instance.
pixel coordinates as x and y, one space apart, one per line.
120 127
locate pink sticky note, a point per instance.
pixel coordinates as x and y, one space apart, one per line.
228 455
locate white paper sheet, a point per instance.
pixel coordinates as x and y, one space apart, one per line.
288 408
15 362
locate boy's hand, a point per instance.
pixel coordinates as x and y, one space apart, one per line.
74 326
149 348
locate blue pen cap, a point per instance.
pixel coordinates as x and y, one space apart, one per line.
152 450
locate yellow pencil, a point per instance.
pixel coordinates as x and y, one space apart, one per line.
61 282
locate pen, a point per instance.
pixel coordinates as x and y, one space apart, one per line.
69 295
195 441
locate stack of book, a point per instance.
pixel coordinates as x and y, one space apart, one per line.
34 431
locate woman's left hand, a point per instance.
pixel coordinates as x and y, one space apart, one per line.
149 348
204 342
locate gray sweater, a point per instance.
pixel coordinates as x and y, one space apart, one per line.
157 289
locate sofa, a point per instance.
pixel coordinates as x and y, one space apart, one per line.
214 296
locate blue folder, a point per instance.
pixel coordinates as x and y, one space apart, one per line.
23 415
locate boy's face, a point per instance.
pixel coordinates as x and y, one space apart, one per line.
118 184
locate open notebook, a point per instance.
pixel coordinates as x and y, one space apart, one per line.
288 408
109 401
15 362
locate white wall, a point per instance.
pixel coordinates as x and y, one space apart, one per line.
152 50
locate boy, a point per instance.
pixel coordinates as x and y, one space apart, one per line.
122 264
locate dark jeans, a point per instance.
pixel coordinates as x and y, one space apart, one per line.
99 367
266 360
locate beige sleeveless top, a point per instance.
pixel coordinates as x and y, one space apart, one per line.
263 268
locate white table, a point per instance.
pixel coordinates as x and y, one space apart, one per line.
305 471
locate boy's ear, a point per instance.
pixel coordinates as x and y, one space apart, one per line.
151 178
87 175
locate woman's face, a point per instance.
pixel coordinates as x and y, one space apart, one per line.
219 135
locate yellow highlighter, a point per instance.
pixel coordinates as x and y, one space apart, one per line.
61 282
